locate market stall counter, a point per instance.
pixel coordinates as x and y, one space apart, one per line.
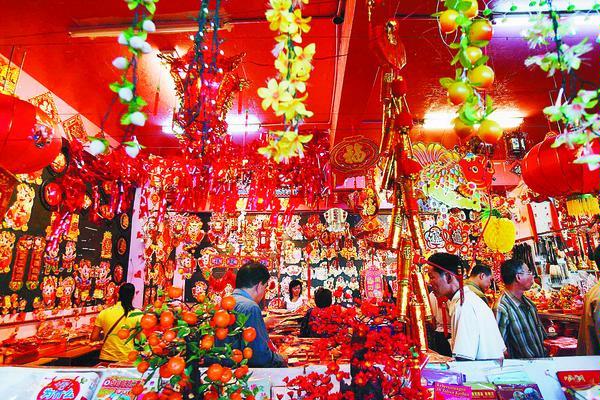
23 383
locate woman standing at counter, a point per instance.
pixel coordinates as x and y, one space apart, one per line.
109 322
296 300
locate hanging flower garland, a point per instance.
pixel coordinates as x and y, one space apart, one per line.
574 109
473 76
134 38
286 94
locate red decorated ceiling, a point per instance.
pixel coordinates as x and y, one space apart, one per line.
343 89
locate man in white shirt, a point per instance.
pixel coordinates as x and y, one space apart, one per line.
474 331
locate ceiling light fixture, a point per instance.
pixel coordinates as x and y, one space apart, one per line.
441 120
242 123
161 27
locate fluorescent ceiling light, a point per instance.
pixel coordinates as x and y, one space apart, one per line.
443 119
522 20
161 27
503 6
242 123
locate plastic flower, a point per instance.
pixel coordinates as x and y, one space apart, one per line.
291 143
281 63
279 15
274 94
293 109
301 65
298 25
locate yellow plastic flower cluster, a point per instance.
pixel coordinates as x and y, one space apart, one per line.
286 93
499 234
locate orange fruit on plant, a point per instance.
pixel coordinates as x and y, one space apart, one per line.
221 319
150 396
473 9
447 21
458 92
174 292
489 131
247 352
158 350
132 355
227 303
249 334
207 342
227 375
241 371
190 317
235 396
164 371
231 319
480 32
481 77
473 53
167 318
214 372
153 340
461 129
169 335
221 333
210 396
237 356
143 367
148 321
158 304
137 389
175 396
123 334
176 365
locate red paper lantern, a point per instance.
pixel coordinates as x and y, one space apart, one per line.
29 140
551 171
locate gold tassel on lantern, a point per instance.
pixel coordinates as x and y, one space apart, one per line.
584 205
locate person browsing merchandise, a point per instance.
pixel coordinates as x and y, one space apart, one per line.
251 286
474 332
480 280
110 321
588 341
517 316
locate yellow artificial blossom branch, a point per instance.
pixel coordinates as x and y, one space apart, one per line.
286 94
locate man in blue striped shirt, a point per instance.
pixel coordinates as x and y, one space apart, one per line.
517 316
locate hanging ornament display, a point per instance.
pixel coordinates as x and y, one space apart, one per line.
24 245
83 280
68 258
18 215
35 265
102 279
118 274
106 246
7 244
48 287
7 186
499 233
64 292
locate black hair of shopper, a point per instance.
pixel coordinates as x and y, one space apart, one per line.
126 293
450 262
323 297
250 274
509 270
480 269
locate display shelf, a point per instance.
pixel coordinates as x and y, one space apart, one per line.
561 317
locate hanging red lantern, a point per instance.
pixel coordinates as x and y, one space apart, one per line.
29 139
552 172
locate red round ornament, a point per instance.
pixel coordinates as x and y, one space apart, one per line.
53 194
